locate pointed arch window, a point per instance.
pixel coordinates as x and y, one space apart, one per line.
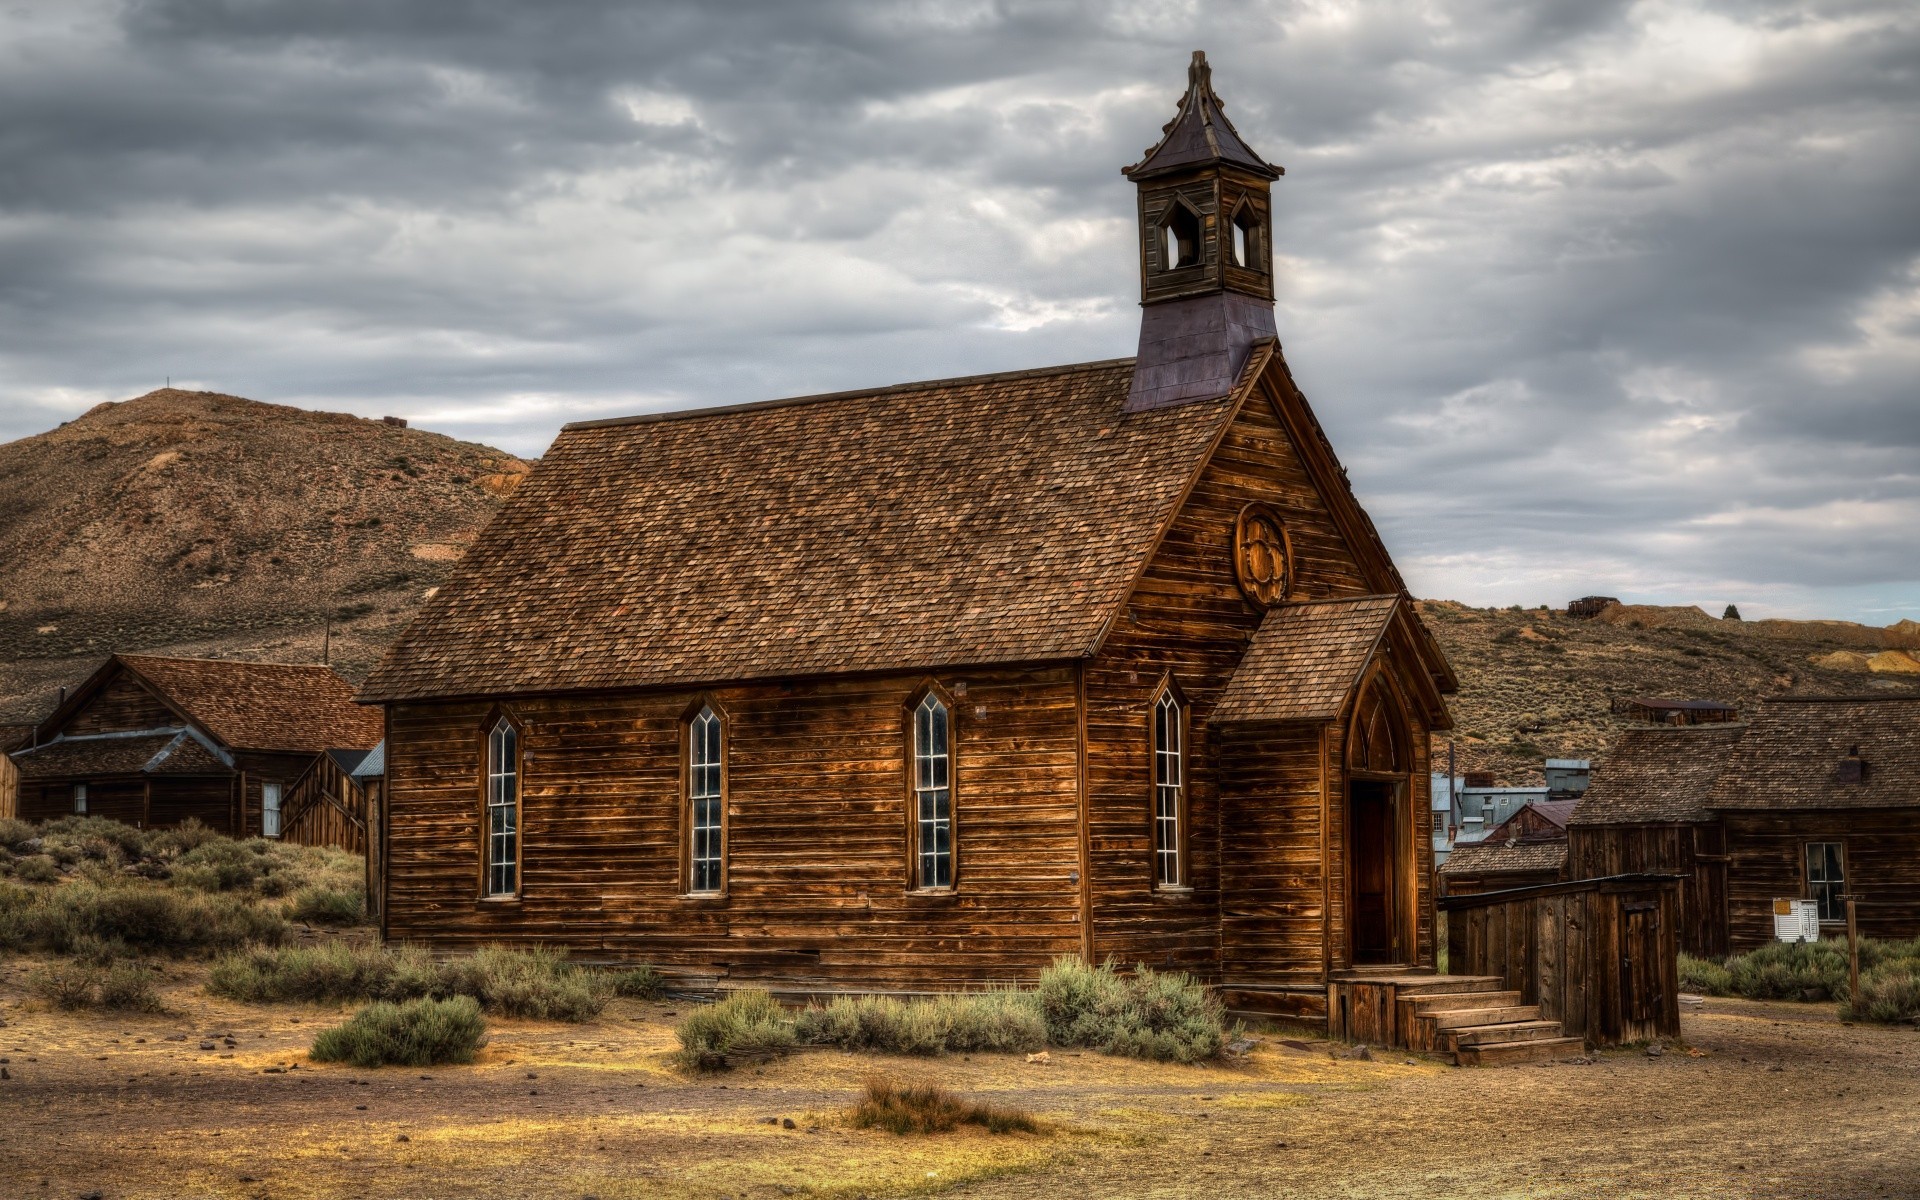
706 805
1169 789
1179 238
500 832
932 794
1245 232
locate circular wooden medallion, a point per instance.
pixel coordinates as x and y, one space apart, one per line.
1262 555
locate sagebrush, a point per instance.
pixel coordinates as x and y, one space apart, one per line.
90 886
537 983
1165 1016
418 1033
1817 971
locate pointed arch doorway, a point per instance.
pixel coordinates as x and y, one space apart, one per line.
1379 754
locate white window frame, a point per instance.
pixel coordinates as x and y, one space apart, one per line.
270 796
500 825
1169 790
706 803
933 851
80 799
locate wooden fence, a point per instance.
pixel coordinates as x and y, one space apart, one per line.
1597 955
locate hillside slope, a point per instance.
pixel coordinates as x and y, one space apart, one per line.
1537 683
197 523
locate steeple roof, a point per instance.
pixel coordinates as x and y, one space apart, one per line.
1199 134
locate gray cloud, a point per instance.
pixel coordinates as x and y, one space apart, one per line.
1589 295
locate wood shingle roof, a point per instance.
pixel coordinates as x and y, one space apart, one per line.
1794 754
1657 776
1305 659
1498 858
993 519
303 708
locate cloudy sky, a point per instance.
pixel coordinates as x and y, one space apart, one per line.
1591 296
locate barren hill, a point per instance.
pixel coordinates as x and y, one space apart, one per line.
196 523
1536 683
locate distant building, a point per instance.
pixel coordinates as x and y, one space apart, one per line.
1814 799
1655 710
1528 848
1567 777
1588 607
154 741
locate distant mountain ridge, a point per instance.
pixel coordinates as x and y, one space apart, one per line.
1537 683
200 523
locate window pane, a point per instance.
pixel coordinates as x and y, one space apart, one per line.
933 798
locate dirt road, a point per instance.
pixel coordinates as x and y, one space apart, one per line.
1782 1100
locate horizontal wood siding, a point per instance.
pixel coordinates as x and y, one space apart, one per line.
1767 861
1273 912
1187 616
816 865
208 801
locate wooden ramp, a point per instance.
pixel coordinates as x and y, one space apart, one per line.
1474 1018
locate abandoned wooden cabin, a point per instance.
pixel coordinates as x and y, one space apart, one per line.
1528 848
154 741
922 686
1814 798
1656 710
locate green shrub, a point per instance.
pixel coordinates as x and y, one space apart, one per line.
124 986
1168 1017
928 1109
746 1024
1079 1002
327 973
1889 994
136 916
1812 972
418 1033
15 833
995 1021
36 868
516 983
66 985
537 983
639 983
329 906
1704 976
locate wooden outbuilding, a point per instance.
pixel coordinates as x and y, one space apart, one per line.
924 685
154 741
1814 798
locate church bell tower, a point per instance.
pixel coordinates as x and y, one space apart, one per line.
1206 258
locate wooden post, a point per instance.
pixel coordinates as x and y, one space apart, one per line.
1853 957
146 803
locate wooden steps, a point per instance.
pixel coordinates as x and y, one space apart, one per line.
1506 1054
1475 1018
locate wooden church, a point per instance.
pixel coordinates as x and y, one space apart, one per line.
920 686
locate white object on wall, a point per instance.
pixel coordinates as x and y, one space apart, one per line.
1796 920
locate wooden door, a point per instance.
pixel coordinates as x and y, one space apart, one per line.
1371 860
1640 983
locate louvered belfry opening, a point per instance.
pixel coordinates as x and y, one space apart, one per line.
1206 262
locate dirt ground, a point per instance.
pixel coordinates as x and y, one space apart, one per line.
1776 1100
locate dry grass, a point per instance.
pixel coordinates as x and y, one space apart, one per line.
928 1108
